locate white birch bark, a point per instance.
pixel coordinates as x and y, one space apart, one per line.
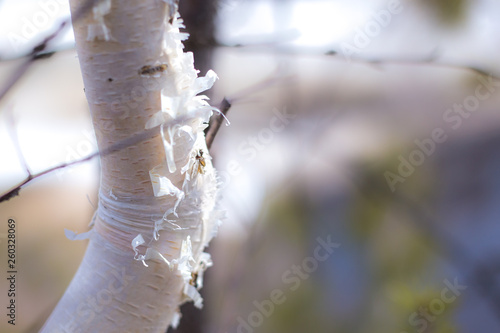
157 198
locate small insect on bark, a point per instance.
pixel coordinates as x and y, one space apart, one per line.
194 280
150 70
201 162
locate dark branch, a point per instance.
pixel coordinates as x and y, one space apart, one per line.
12 193
216 121
148 134
227 102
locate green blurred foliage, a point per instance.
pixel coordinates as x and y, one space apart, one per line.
287 215
299 313
450 12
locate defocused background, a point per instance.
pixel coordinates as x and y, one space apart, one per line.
360 123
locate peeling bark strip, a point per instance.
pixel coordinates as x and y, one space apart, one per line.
157 201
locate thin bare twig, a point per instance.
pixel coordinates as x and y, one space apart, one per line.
214 126
90 202
15 140
38 52
431 60
137 138
148 134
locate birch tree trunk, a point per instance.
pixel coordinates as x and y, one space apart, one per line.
157 198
